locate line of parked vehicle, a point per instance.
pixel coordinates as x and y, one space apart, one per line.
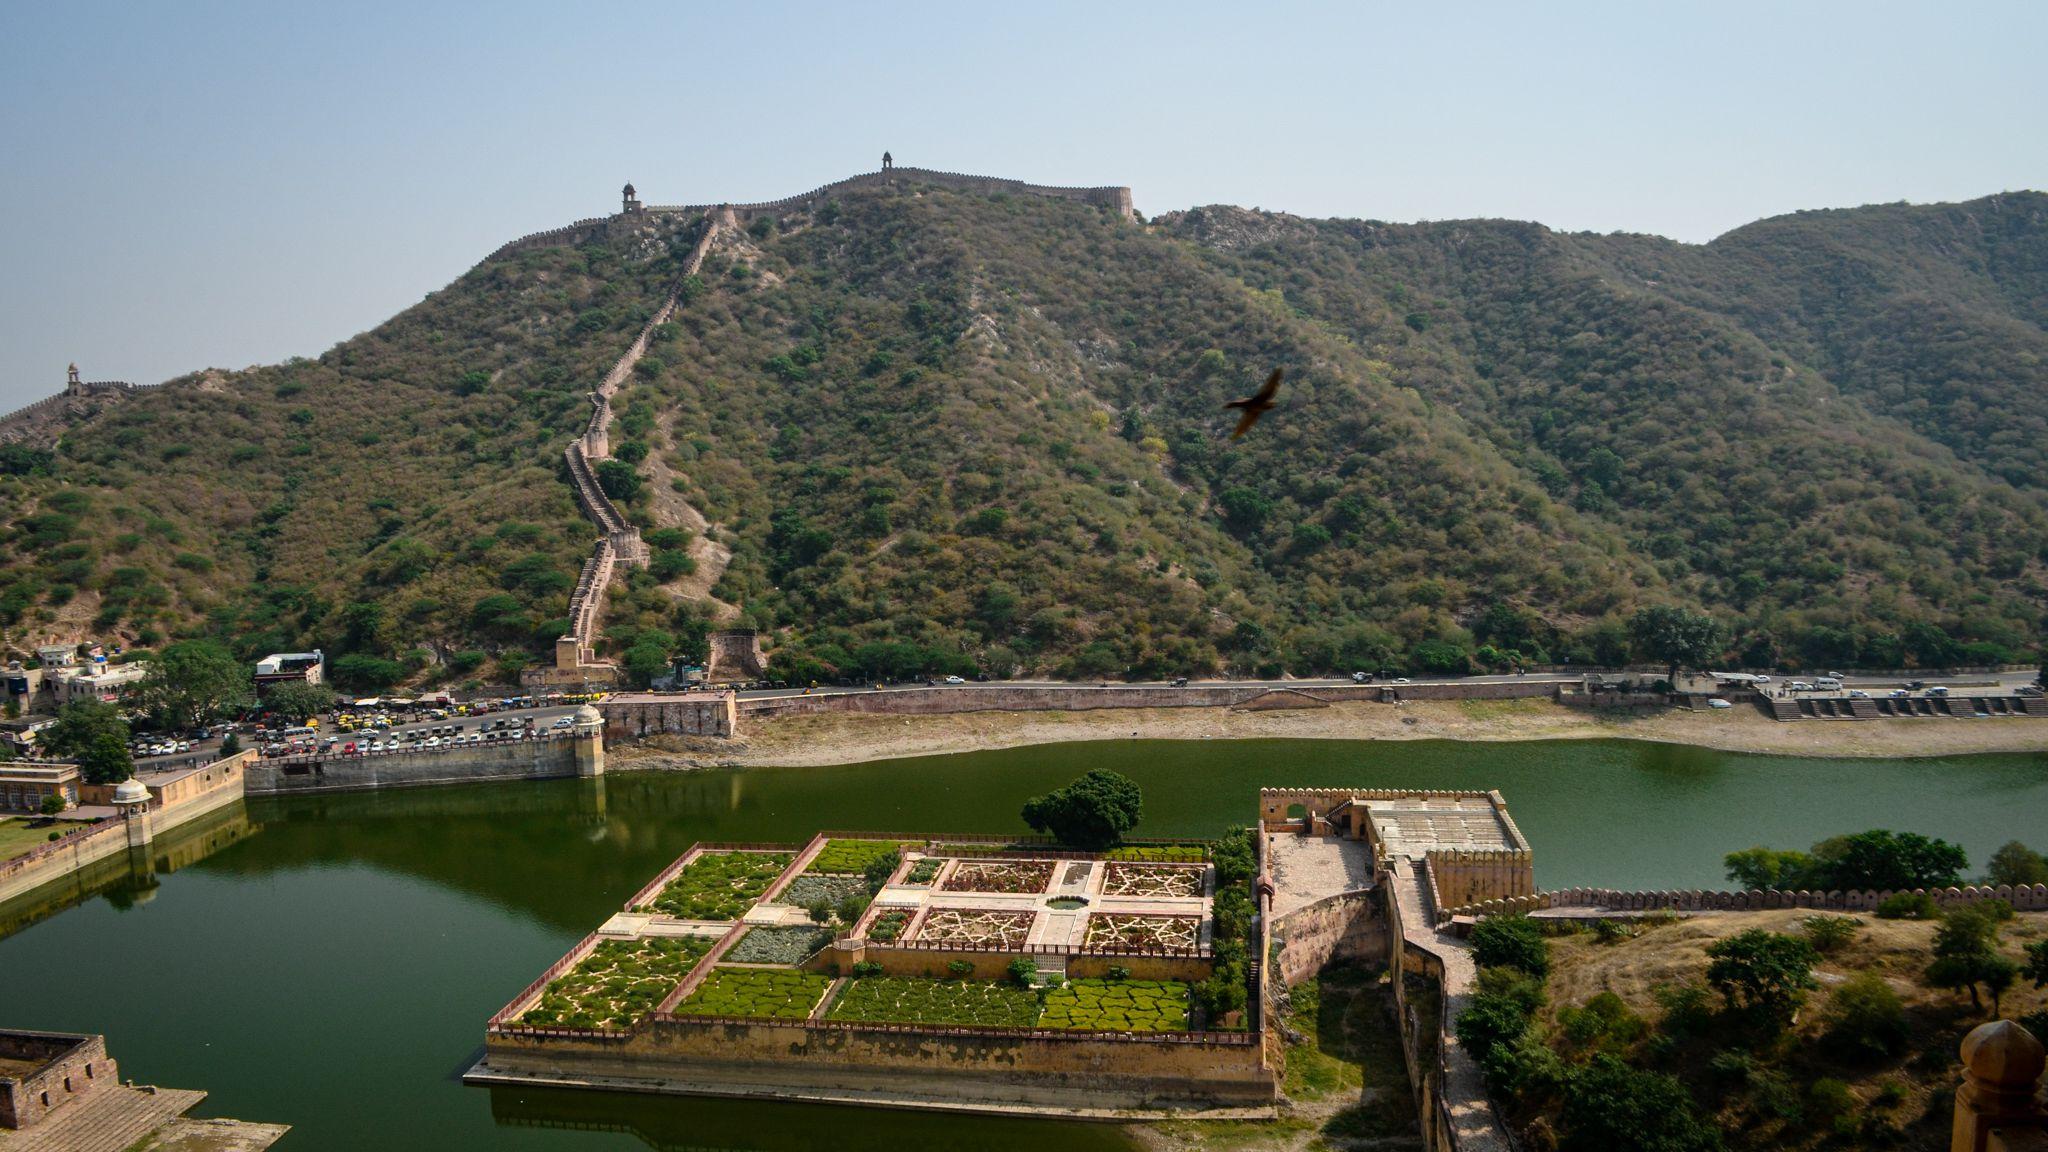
308 741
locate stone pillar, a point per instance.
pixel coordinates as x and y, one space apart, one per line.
588 733
1999 1107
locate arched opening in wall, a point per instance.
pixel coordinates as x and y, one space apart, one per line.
1297 811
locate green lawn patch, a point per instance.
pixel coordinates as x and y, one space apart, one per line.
888 926
852 857
759 992
905 1000
720 885
18 839
924 871
1160 854
617 983
1118 1005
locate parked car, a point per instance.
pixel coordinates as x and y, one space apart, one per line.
1858 694
1402 680
955 680
1828 684
1180 681
1799 686
1938 690
1361 677
1717 702
1763 679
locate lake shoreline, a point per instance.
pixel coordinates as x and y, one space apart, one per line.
853 738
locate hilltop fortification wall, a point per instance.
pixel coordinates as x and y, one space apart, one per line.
1115 198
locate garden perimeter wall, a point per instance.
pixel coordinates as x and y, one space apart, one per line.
901 1066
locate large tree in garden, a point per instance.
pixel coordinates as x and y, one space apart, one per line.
194 682
1093 812
1676 637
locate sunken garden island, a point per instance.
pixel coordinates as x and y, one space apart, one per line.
962 972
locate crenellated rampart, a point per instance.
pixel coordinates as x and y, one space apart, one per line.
1112 197
2024 898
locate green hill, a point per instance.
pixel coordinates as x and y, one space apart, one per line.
944 430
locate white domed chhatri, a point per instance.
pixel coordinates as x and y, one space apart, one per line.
130 791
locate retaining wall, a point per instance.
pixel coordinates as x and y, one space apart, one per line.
631 715
1347 926
515 760
903 1065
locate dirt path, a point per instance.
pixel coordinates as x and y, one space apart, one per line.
672 510
849 738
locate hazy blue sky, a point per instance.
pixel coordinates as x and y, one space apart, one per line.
192 184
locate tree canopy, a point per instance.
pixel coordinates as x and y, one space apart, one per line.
1877 860
194 682
296 700
1092 813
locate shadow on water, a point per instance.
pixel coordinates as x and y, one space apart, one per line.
688 1124
130 879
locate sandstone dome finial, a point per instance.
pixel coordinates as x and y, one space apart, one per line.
2004 1054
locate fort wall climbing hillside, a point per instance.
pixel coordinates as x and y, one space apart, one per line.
576 659
1115 198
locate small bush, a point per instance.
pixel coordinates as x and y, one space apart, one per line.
1908 906
959 969
1866 1018
1511 941
1827 933
867 968
1023 971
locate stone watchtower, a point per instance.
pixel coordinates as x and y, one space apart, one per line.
588 733
888 162
72 384
631 201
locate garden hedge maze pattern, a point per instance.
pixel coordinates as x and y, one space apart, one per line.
778 945
1117 930
1118 1005
617 983
999 876
1169 880
720 885
989 928
852 857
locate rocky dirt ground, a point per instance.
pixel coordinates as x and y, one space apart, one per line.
848 738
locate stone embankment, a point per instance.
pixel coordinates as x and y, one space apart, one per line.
1081 698
544 757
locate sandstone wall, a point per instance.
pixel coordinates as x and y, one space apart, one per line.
632 715
2024 898
81 1065
514 760
1348 926
907 1064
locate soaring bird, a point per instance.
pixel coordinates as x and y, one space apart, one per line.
1255 405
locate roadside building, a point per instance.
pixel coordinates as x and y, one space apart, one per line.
290 668
96 681
20 731
21 684
24 787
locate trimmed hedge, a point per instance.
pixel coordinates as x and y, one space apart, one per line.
852 857
1118 1005
617 983
904 1000
771 993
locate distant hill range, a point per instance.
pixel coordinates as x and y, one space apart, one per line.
918 422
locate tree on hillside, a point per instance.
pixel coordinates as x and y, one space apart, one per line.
194 682
1763 973
1676 637
1093 812
1609 1105
298 700
1966 956
79 723
368 672
1512 942
2015 864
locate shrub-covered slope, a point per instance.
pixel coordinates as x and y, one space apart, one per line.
941 431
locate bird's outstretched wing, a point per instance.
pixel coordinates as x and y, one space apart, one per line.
1265 395
1245 422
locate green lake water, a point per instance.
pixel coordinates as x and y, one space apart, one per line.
329 961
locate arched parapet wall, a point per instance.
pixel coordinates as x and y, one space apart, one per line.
1116 198
2024 898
